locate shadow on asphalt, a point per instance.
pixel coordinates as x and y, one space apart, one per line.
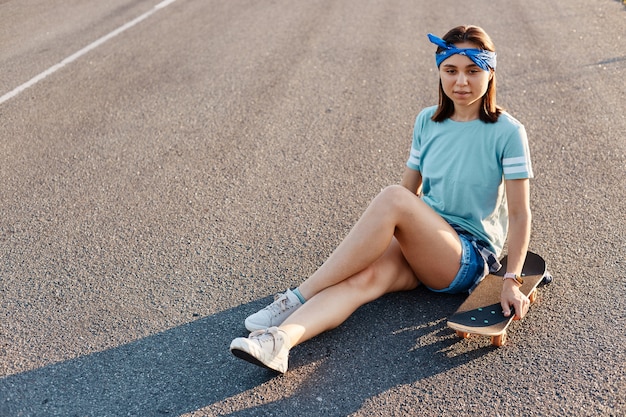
398 339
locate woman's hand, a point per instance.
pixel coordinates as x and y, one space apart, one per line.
512 297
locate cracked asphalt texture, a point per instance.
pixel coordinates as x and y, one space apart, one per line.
165 185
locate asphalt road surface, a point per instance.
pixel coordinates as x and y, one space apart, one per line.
164 183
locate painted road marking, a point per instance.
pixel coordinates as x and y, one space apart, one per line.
83 51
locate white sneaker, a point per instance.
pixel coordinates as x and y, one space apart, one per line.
274 314
268 348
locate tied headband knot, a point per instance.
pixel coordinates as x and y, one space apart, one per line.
484 59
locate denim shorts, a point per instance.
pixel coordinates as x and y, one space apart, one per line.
471 270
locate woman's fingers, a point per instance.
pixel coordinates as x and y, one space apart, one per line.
518 305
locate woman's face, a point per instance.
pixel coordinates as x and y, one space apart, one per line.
464 82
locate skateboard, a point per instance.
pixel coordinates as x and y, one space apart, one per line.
481 312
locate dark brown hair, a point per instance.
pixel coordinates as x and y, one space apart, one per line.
489 111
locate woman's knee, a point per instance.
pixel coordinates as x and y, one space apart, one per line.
394 191
370 283
364 282
394 197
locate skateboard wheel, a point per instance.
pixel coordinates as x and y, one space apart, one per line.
533 296
498 340
547 278
462 335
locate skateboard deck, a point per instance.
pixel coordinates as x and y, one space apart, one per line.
481 313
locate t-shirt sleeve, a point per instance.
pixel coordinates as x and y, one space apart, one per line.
414 156
516 162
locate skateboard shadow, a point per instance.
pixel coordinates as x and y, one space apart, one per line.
396 340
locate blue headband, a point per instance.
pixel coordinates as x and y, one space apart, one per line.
483 58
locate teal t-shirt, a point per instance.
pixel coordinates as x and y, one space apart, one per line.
463 165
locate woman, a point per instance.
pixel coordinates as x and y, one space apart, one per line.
470 163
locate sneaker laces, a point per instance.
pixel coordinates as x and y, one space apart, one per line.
265 335
279 305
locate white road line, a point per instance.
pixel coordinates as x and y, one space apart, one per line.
83 51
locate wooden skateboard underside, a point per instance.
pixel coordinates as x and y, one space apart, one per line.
481 313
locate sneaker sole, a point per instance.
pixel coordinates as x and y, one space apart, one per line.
249 358
253 327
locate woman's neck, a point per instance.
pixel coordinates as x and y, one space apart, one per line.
465 114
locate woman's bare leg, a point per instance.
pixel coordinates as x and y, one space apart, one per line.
431 247
333 305
398 243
